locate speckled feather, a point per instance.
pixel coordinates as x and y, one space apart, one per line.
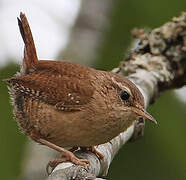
61 84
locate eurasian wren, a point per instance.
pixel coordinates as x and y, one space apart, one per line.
61 104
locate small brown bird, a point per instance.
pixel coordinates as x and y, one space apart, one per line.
61 104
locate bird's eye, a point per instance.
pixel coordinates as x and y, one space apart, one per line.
124 95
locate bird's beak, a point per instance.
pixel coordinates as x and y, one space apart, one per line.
144 113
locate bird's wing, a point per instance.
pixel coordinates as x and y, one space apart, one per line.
65 92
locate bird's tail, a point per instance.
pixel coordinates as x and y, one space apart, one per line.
30 59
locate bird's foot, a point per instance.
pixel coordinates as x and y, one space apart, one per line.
97 153
139 126
66 156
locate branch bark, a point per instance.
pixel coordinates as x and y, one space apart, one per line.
156 63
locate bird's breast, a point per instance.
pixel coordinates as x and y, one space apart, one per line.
93 125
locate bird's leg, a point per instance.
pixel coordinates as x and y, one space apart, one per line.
66 155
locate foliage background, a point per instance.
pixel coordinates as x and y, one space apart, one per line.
160 154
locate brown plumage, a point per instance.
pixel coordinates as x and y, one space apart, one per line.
61 104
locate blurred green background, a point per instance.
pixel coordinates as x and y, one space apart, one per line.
160 154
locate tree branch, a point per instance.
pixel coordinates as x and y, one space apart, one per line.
156 62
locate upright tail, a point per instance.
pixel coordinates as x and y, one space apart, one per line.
30 59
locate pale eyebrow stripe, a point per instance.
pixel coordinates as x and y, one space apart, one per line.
121 86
